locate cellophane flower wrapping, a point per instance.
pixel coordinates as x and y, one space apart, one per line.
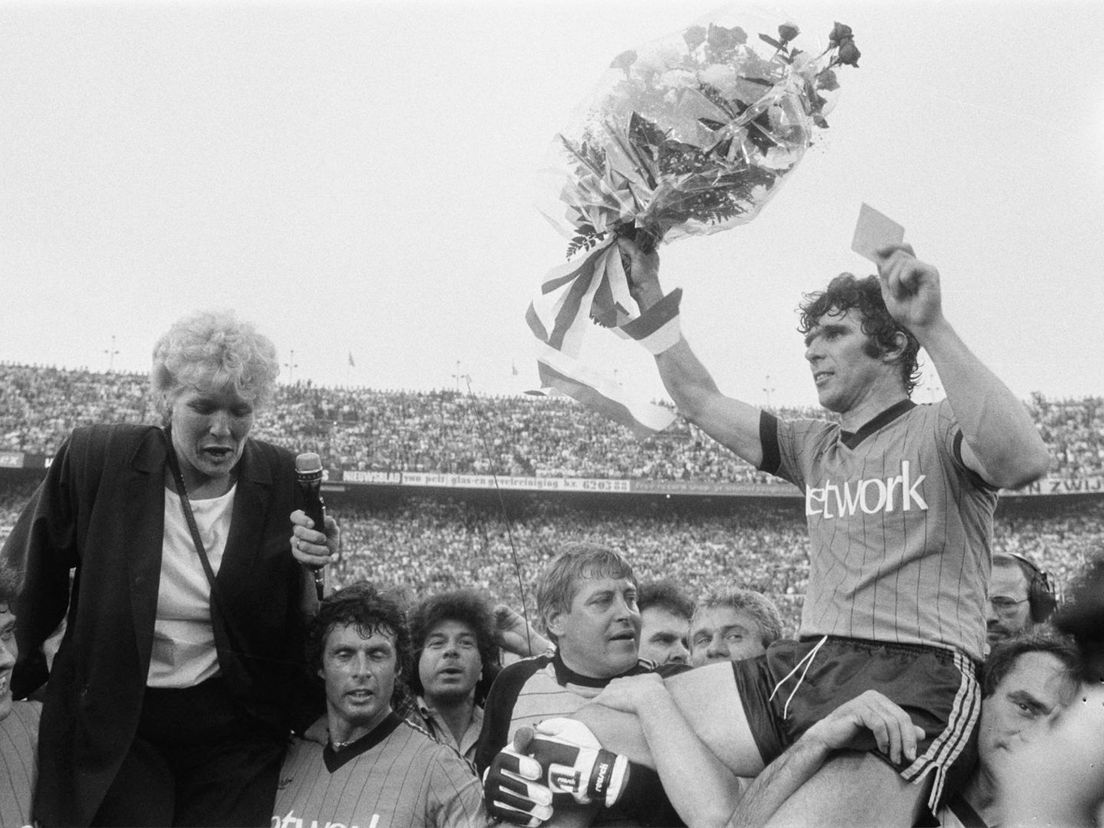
693 133
689 135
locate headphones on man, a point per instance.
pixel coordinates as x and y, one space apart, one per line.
1041 597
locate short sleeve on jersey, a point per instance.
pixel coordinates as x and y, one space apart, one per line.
768 439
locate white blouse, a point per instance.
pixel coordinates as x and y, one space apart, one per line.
183 638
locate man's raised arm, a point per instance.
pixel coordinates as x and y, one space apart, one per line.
730 422
1000 442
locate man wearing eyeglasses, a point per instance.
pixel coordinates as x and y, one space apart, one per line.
1013 609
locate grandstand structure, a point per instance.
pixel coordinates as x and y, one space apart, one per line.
441 489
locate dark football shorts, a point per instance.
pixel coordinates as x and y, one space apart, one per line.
796 683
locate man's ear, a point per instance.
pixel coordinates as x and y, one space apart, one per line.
894 354
553 622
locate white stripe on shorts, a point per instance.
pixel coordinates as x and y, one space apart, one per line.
945 748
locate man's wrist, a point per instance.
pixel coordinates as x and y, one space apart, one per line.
647 295
813 745
658 328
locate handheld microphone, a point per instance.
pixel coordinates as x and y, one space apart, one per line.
308 478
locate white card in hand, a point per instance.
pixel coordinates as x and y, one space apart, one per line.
874 231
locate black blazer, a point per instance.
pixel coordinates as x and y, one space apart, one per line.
100 510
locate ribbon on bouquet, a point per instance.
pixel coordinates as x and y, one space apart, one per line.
594 288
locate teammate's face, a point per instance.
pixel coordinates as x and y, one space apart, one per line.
844 372
359 673
599 635
209 427
664 636
1027 699
1009 610
1060 780
450 663
724 634
8 653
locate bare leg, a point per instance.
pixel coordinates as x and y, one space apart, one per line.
708 699
854 789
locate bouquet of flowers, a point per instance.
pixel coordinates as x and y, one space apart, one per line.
688 136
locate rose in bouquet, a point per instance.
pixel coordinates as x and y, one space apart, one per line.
688 136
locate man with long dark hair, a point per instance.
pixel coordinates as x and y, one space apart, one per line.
899 500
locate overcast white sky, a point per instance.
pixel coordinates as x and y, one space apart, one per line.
360 178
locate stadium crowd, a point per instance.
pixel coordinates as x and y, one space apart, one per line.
229 722
424 544
446 431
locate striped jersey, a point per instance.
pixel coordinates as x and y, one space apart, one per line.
395 777
18 763
899 528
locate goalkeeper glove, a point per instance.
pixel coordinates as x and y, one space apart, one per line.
513 790
577 764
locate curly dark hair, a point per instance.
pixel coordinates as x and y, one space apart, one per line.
468 606
845 292
369 610
667 595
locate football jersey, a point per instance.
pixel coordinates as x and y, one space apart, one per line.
18 763
899 528
395 777
543 687
531 690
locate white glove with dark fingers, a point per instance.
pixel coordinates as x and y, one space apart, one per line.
576 763
513 790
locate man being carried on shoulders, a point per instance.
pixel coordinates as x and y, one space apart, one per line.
899 500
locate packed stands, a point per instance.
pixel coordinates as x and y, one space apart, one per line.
445 431
437 540
434 542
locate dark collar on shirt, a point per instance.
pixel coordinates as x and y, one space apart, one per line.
565 675
334 759
853 438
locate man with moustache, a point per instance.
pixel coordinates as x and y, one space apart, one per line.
1020 598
